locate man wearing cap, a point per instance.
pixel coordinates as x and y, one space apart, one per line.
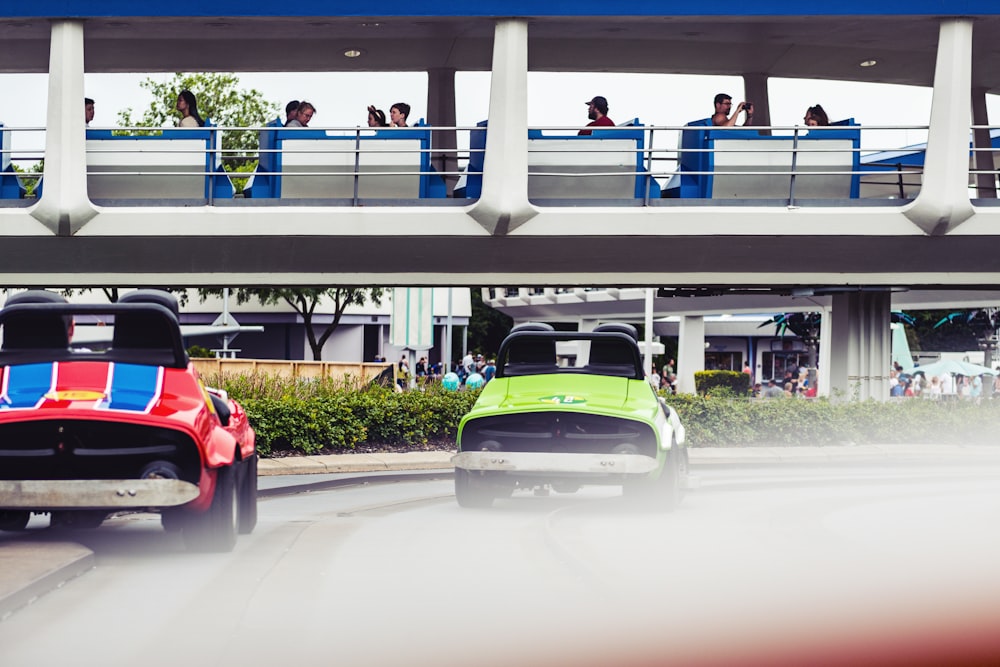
597 112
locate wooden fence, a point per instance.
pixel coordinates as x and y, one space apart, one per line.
293 369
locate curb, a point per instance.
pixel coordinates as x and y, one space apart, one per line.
32 568
698 456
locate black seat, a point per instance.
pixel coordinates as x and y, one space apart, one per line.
146 331
612 357
531 356
29 330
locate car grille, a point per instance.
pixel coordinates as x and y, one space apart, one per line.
81 449
558 432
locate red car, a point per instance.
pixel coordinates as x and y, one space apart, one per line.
131 427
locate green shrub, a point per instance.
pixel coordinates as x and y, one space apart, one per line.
315 415
311 416
725 422
707 382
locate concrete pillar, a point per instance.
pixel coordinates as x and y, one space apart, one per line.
690 351
755 89
65 207
943 202
825 345
441 113
585 325
860 342
503 205
986 184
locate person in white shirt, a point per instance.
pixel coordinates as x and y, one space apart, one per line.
187 104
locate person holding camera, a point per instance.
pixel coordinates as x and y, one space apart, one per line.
723 107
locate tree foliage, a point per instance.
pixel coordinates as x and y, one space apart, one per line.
220 98
487 326
304 301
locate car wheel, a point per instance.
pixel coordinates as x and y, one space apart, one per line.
669 490
172 520
248 496
472 490
215 530
14 520
663 493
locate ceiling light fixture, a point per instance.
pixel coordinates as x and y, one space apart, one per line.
868 63
354 53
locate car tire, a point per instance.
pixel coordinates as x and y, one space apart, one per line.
669 489
248 496
215 530
663 493
471 490
14 520
173 520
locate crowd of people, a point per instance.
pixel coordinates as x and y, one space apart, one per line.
298 113
916 384
425 372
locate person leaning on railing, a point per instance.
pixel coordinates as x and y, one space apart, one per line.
188 106
376 117
398 113
816 116
303 114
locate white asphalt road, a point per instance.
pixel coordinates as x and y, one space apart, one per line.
846 564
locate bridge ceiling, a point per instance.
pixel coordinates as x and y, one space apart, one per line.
801 47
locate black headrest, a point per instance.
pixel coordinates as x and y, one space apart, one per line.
532 326
165 299
532 351
35 296
29 330
615 352
618 327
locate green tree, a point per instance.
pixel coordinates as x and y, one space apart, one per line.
305 300
487 327
220 99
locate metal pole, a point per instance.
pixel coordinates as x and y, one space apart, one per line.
647 361
448 347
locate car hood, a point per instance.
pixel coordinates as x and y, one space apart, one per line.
565 391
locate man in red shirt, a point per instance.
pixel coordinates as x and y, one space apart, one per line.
597 112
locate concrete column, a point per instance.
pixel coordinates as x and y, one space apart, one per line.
690 351
441 113
585 325
64 207
503 205
860 342
986 184
943 202
824 363
755 89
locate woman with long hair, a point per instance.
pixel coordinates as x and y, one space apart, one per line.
188 106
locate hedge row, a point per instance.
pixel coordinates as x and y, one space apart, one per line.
311 416
315 416
725 422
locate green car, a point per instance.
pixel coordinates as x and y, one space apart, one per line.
568 409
